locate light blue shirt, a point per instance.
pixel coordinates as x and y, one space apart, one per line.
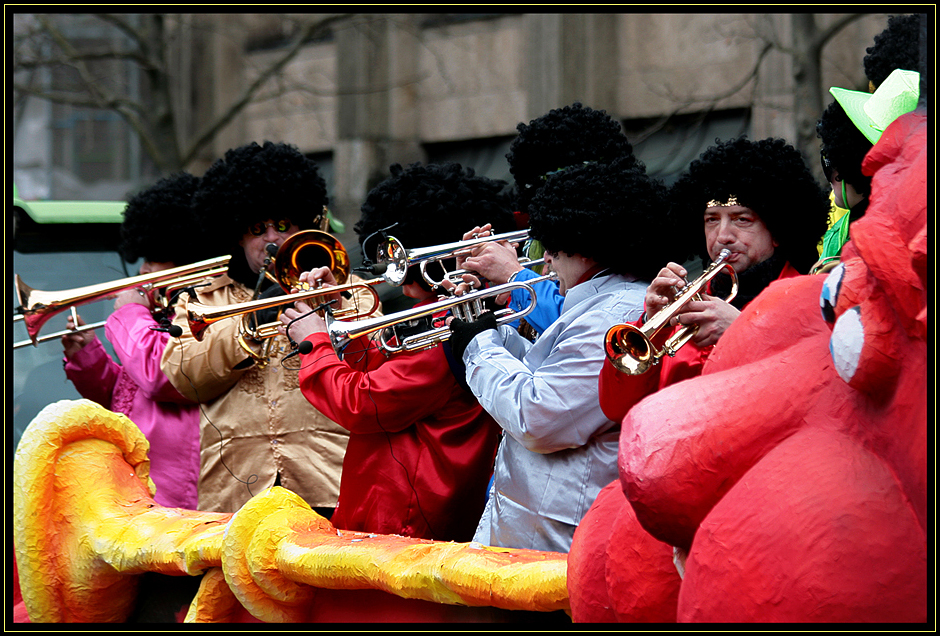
559 449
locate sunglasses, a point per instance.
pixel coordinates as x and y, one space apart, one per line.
279 226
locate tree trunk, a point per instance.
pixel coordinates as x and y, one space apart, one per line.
807 80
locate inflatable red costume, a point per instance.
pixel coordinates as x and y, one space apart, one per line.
794 470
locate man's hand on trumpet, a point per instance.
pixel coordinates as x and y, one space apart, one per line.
469 284
712 315
663 289
301 319
495 262
129 296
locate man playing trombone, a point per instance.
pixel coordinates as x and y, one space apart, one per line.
157 227
421 448
599 224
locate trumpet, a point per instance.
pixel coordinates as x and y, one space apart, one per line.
467 307
303 251
631 350
396 259
37 307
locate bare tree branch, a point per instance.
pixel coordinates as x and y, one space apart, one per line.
300 40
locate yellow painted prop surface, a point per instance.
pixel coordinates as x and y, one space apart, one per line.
85 525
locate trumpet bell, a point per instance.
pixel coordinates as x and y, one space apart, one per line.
393 255
629 350
307 250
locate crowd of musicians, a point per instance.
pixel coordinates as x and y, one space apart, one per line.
490 411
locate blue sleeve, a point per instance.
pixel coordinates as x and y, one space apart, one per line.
548 301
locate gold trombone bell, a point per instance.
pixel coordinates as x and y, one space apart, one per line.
37 307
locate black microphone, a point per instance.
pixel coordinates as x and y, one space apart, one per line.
375 268
304 347
174 330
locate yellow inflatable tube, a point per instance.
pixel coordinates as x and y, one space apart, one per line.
85 525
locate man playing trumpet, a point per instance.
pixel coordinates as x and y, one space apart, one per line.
596 222
756 199
421 448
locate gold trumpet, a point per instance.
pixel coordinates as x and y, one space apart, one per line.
396 259
467 307
631 350
37 307
301 252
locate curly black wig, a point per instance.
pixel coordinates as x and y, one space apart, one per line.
561 138
769 177
844 145
252 184
611 212
425 205
158 224
898 46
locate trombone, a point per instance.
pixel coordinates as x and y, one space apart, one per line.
631 350
396 259
467 307
37 307
303 251
57 334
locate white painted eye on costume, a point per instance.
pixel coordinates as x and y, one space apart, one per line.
846 343
830 293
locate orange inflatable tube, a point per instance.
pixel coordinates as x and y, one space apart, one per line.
86 525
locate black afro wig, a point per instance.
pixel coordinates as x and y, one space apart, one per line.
898 46
561 138
253 183
159 226
844 145
611 212
425 205
768 176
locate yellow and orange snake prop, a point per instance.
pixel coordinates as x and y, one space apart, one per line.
86 526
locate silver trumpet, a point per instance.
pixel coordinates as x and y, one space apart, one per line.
467 307
397 259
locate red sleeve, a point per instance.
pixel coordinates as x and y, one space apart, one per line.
619 391
390 395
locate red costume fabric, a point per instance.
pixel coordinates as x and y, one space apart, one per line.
794 470
619 391
421 448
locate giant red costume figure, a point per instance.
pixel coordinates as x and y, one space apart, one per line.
794 469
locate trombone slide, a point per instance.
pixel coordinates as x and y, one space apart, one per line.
37 307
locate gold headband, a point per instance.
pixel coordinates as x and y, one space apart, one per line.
732 200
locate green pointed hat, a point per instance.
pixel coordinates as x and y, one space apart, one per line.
873 112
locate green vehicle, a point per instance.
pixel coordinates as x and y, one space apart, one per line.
58 246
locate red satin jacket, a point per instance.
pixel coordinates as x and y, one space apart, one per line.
421 448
